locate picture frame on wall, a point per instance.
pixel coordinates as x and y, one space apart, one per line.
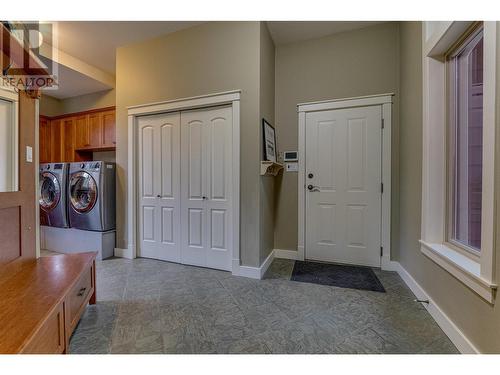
269 138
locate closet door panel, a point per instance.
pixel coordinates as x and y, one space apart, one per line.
159 186
206 184
218 184
193 166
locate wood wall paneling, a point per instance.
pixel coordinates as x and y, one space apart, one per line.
10 234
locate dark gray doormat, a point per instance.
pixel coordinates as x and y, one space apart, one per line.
337 275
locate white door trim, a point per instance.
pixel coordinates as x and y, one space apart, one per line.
383 100
211 100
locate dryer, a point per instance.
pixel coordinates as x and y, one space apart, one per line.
53 194
91 190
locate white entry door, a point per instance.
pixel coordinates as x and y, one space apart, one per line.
159 186
206 165
343 185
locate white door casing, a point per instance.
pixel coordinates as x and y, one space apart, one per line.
135 113
206 177
159 186
343 178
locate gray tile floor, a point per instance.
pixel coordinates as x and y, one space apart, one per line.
148 306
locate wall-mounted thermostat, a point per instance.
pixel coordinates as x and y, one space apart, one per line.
290 156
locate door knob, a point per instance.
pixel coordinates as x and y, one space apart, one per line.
204 198
158 196
310 175
312 188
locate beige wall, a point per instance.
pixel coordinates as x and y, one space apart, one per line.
354 63
50 106
267 184
477 319
209 58
90 101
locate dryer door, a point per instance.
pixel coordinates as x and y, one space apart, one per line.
83 192
50 191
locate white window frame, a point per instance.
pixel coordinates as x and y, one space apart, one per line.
478 273
10 95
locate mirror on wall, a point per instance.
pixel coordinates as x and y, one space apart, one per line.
9 141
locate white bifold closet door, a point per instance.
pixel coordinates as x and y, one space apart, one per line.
206 175
185 173
159 186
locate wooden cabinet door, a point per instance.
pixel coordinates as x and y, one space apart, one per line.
69 139
82 133
108 129
56 137
45 140
95 126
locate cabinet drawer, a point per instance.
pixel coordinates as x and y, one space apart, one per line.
77 299
49 339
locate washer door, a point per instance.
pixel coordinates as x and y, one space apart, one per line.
50 191
83 192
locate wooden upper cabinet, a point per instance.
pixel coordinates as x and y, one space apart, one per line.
45 140
109 129
82 132
69 140
74 137
95 124
56 137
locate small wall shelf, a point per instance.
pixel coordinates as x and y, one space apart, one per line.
270 168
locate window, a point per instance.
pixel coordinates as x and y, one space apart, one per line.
465 142
458 160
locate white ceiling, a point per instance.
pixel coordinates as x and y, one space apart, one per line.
95 42
284 32
73 83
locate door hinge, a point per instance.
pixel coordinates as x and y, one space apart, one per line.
383 123
382 188
381 250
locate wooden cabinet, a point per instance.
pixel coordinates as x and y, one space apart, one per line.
50 337
45 138
56 141
74 137
108 129
96 131
39 316
69 139
82 133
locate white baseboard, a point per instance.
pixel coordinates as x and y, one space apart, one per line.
252 272
388 265
286 254
124 253
454 333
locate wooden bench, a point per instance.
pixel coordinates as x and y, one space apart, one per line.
41 302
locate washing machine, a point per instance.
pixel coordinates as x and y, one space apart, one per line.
53 194
91 190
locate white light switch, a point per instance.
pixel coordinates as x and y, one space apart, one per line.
292 167
29 154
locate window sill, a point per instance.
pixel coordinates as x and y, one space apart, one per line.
463 268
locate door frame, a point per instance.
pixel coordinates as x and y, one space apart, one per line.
177 105
385 102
